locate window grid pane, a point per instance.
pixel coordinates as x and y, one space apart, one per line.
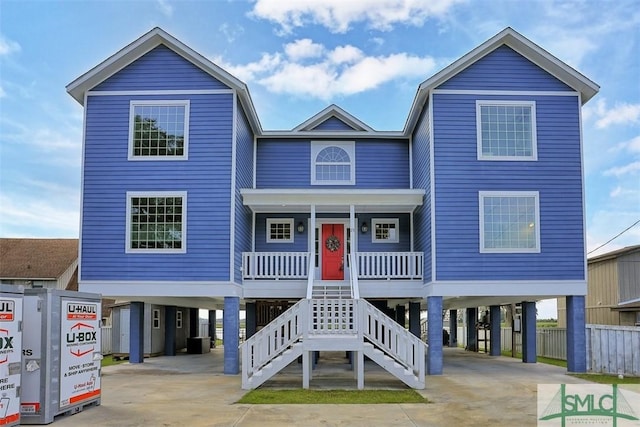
506 130
159 130
333 164
156 223
384 231
510 222
280 231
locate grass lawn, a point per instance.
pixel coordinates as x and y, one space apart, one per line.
307 397
109 360
607 379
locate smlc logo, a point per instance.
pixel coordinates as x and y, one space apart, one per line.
586 403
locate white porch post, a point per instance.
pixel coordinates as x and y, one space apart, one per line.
306 368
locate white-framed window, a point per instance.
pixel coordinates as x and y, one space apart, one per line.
158 130
509 221
156 222
506 130
178 319
333 163
279 230
156 318
385 230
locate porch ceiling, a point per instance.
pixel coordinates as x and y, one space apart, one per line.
332 200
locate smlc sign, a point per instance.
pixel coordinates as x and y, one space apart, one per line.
586 403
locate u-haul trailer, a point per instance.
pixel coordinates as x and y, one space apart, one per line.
10 353
62 354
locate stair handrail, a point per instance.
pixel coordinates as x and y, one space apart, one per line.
393 339
311 276
274 339
353 274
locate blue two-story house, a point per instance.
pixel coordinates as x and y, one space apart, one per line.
329 234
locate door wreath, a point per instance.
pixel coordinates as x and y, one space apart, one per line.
332 243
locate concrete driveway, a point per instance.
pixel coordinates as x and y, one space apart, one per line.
190 390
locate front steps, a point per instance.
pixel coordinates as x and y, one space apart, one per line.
331 289
313 325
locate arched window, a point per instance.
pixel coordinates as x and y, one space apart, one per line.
333 163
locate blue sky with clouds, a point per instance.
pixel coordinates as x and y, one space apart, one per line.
367 56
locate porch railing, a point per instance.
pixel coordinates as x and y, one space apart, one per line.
297 265
275 265
390 265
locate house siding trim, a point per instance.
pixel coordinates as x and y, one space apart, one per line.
81 216
140 288
232 195
530 288
160 92
584 196
504 92
432 181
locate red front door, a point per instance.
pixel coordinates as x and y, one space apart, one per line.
332 244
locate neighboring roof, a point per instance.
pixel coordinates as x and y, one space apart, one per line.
329 112
615 254
36 258
525 47
145 44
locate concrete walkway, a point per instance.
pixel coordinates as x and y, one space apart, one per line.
191 390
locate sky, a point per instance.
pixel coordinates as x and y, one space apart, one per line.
298 57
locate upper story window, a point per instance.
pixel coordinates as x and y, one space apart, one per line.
333 163
280 230
506 130
385 230
509 221
158 130
156 222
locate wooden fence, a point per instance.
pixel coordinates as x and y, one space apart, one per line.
106 340
610 349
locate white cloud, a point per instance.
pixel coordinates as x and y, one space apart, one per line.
338 15
310 69
628 193
2 92
231 33
302 49
8 46
623 170
622 113
165 8
41 216
632 145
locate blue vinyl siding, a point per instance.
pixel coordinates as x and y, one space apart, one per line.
504 69
422 180
365 243
459 176
333 124
300 243
108 175
287 164
160 69
244 179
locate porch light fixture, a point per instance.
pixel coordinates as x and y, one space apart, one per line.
301 227
364 227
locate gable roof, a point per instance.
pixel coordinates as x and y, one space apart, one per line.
525 47
145 44
332 111
614 254
36 258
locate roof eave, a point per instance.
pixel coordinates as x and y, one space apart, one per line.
143 45
511 38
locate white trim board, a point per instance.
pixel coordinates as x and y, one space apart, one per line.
541 288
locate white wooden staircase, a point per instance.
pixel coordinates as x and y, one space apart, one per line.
333 319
